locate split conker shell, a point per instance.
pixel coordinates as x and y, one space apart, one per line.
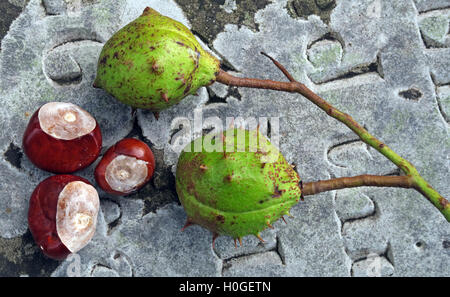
125 167
62 138
62 215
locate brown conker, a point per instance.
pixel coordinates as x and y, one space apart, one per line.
125 167
62 138
62 215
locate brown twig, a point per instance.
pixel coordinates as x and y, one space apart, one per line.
281 67
317 187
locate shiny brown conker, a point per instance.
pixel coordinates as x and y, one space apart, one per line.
62 138
62 215
125 167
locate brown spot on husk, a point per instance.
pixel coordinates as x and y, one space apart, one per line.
165 97
277 192
156 68
103 60
188 88
220 218
443 202
228 178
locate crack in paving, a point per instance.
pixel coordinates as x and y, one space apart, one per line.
355 72
161 188
226 263
373 215
330 36
99 265
47 9
214 98
340 231
431 9
13 155
341 145
376 265
395 172
444 116
278 249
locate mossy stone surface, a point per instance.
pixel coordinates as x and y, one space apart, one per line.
325 54
434 30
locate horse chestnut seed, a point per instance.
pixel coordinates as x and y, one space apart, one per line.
62 138
62 215
125 167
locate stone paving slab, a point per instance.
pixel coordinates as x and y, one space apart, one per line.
386 63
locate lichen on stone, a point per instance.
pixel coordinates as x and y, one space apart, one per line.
304 8
208 18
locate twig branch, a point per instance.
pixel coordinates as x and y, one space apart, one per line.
417 182
317 187
281 67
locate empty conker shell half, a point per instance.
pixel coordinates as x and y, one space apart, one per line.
62 138
62 215
126 167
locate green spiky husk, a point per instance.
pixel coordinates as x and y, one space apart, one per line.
236 193
153 63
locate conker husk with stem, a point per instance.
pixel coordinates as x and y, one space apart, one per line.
246 184
62 138
125 167
154 62
62 215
